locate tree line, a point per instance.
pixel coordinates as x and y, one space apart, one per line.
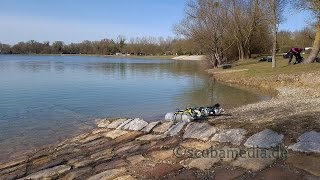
156 46
133 46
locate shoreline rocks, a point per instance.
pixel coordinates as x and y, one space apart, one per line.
149 150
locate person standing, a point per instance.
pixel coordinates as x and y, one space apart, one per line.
297 53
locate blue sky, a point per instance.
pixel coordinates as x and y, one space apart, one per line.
78 20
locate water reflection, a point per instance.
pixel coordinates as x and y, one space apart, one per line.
52 96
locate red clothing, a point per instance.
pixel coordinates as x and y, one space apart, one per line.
296 50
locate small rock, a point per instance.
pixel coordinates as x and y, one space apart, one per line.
163 127
90 138
80 162
264 139
116 123
100 130
150 126
126 177
307 163
102 154
203 163
255 162
124 123
135 125
198 145
277 173
307 142
150 137
234 136
136 159
13 172
79 137
48 173
13 162
44 163
201 131
77 173
160 170
162 155
227 174
175 129
114 163
109 174
129 148
115 133
183 174
102 123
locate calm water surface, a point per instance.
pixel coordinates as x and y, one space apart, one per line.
44 99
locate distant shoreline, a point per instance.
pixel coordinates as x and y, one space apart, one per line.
165 57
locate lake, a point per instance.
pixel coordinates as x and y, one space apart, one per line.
44 99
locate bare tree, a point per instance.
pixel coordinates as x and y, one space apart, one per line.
314 6
274 9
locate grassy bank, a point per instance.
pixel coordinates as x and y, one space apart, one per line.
260 74
295 108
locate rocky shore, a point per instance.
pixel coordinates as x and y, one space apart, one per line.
282 133
135 149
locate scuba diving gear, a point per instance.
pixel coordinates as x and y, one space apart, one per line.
191 114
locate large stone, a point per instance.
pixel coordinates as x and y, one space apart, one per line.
150 137
264 139
115 133
255 160
102 123
163 127
109 174
234 136
116 123
203 163
135 125
150 126
201 131
307 142
136 159
48 173
124 123
229 155
308 163
175 129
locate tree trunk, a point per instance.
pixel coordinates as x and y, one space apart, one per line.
316 47
274 49
274 46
